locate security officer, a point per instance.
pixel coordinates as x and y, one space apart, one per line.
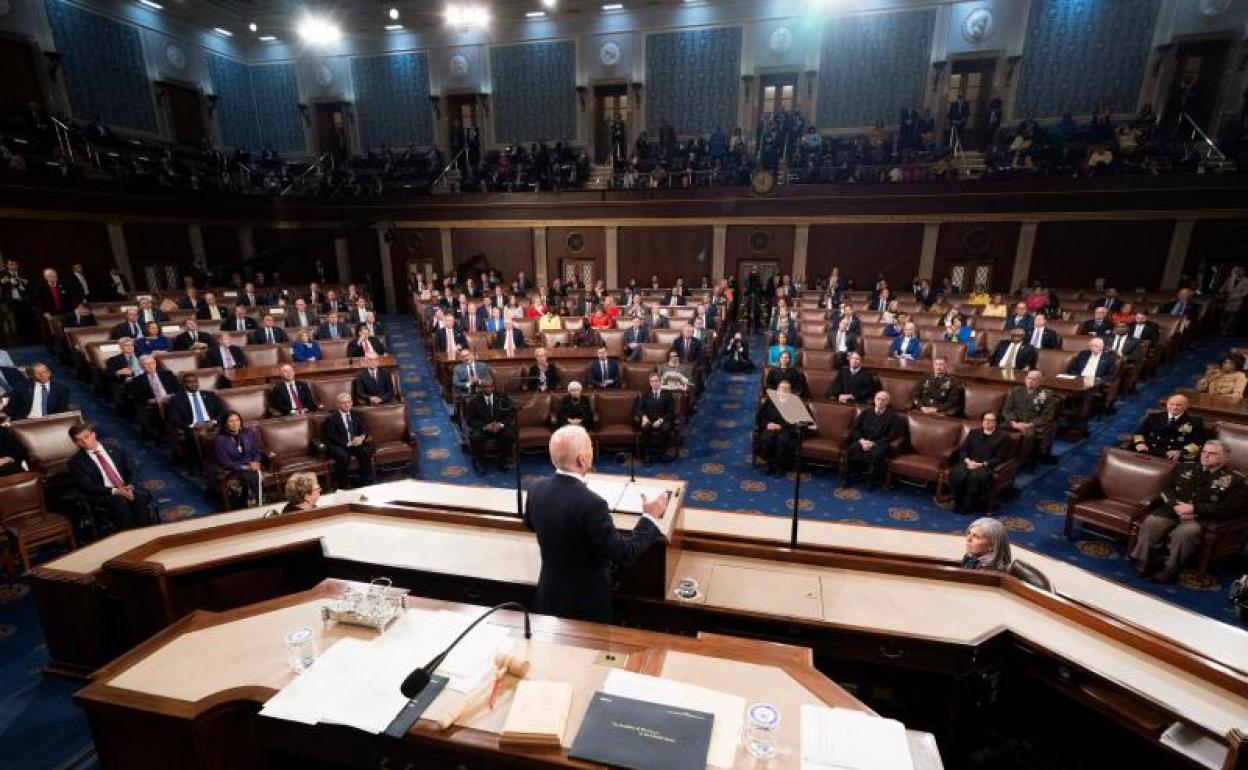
938 392
1173 434
1199 493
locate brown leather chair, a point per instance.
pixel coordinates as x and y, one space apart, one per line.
828 445
613 416
326 389
954 352
876 347
986 341
478 341
331 350
636 376
394 445
1118 496
925 454
263 355
527 327
508 377
533 423
613 339
815 359
251 401
900 391
981 397
25 520
818 382
666 337
573 323
654 353
812 340
1234 437
179 362
557 339
1053 362
47 444
292 447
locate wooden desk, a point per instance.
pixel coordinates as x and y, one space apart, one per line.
262 375
200 684
1220 408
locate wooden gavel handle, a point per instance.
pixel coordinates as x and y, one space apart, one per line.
516 664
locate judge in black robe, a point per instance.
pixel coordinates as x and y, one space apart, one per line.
970 473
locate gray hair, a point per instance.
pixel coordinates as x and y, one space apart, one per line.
998 556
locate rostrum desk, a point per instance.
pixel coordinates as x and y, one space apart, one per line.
882 609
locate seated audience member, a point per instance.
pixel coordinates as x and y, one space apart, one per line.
1030 408
908 346
655 412
1092 362
152 340
1121 343
785 371
781 347
995 308
334 329
972 466
1020 319
954 312
550 321
191 408
373 385
249 297
987 546
491 416
80 317
107 477
658 319
737 355
955 331
897 326
979 296
305 349
853 384
605 372
467 375
346 436
227 355
689 347
334 304
149 314
599 319
239 321
1041 337
302 316
495 323
365 345
191 337
269 332
236 450
473 318
152 384
575 409
542 376
1143 329
291 396
1181 305
303 493
38 396
1098 325
674 375
869 445
636 336
777 438
125 364
209 310
1108 300
843 341
1014 353
13 456
509 338
938 392
1200 493
191 300
1123 315
1227 380
1173 434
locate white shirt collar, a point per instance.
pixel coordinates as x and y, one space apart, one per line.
577 476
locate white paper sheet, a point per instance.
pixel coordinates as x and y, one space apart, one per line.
611 491
729 710
852 740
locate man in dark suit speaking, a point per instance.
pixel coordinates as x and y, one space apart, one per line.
579 543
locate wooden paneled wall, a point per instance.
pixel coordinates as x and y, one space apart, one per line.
38 243
863 251
758 242
152 244
562 243
299 252
221 245
1127 253
507 249
670 252
978 242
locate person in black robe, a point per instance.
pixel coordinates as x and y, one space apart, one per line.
972 466
786 372
777 437
869 441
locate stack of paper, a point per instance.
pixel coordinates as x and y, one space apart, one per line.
729 710
611 491
852 740
539 714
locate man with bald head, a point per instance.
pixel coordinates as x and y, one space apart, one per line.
1173 434
581 548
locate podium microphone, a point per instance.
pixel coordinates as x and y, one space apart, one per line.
422 685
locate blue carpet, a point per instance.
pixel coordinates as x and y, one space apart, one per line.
40 728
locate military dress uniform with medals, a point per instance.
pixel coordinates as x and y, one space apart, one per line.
1162 434
1215 495
941 391
1038 408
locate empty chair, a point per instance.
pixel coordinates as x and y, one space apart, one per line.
828 444
876 347
26 521
613 416
292 447
394 445
557 339
636 376
533 423
980 397
325 390
251 402
331 350
824 360
179 362
263 355
925 454
1118 496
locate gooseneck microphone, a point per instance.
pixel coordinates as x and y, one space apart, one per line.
419 679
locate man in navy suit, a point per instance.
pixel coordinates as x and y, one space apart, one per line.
605 372
1098 325
248 297
508 337
269 333
1020 318
580 546
1093 362
1181 305
688 347
239 322
634 338
345 435
291 396
107 477
39 396
1040 336
373 385
473 318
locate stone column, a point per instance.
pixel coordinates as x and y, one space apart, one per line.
613 256
246 247
801 244
1180 239
448 248
539 256
121 254
719 242
342 256
387 271
927 256
1022 255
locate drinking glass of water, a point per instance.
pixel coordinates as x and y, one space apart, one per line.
301 649
762 730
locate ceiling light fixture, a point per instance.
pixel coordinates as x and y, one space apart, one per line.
316 30
613 7
467 15
549 4
393 27
153 5
535 14
252 26
267 38
394 14
221 31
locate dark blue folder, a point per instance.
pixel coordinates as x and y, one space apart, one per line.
640 735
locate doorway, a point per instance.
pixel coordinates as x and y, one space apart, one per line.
580 269
967 275
971 78
767 269
331 129
20 84
611 114
462 129
185 110
1198 71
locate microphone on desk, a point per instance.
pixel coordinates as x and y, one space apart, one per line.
419 679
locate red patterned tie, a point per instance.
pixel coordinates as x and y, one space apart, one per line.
110 471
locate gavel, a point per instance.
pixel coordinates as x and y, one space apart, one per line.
514 662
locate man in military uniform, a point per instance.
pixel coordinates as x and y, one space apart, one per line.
1030 409
1199 493
1173 434
938 392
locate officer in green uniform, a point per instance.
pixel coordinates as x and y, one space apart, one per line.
1029 409
1199 493
938 392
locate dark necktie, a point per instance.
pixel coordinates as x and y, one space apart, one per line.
43 396
110 470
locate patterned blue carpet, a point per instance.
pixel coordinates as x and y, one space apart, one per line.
41 729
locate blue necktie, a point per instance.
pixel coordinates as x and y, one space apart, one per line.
43 395
196 410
